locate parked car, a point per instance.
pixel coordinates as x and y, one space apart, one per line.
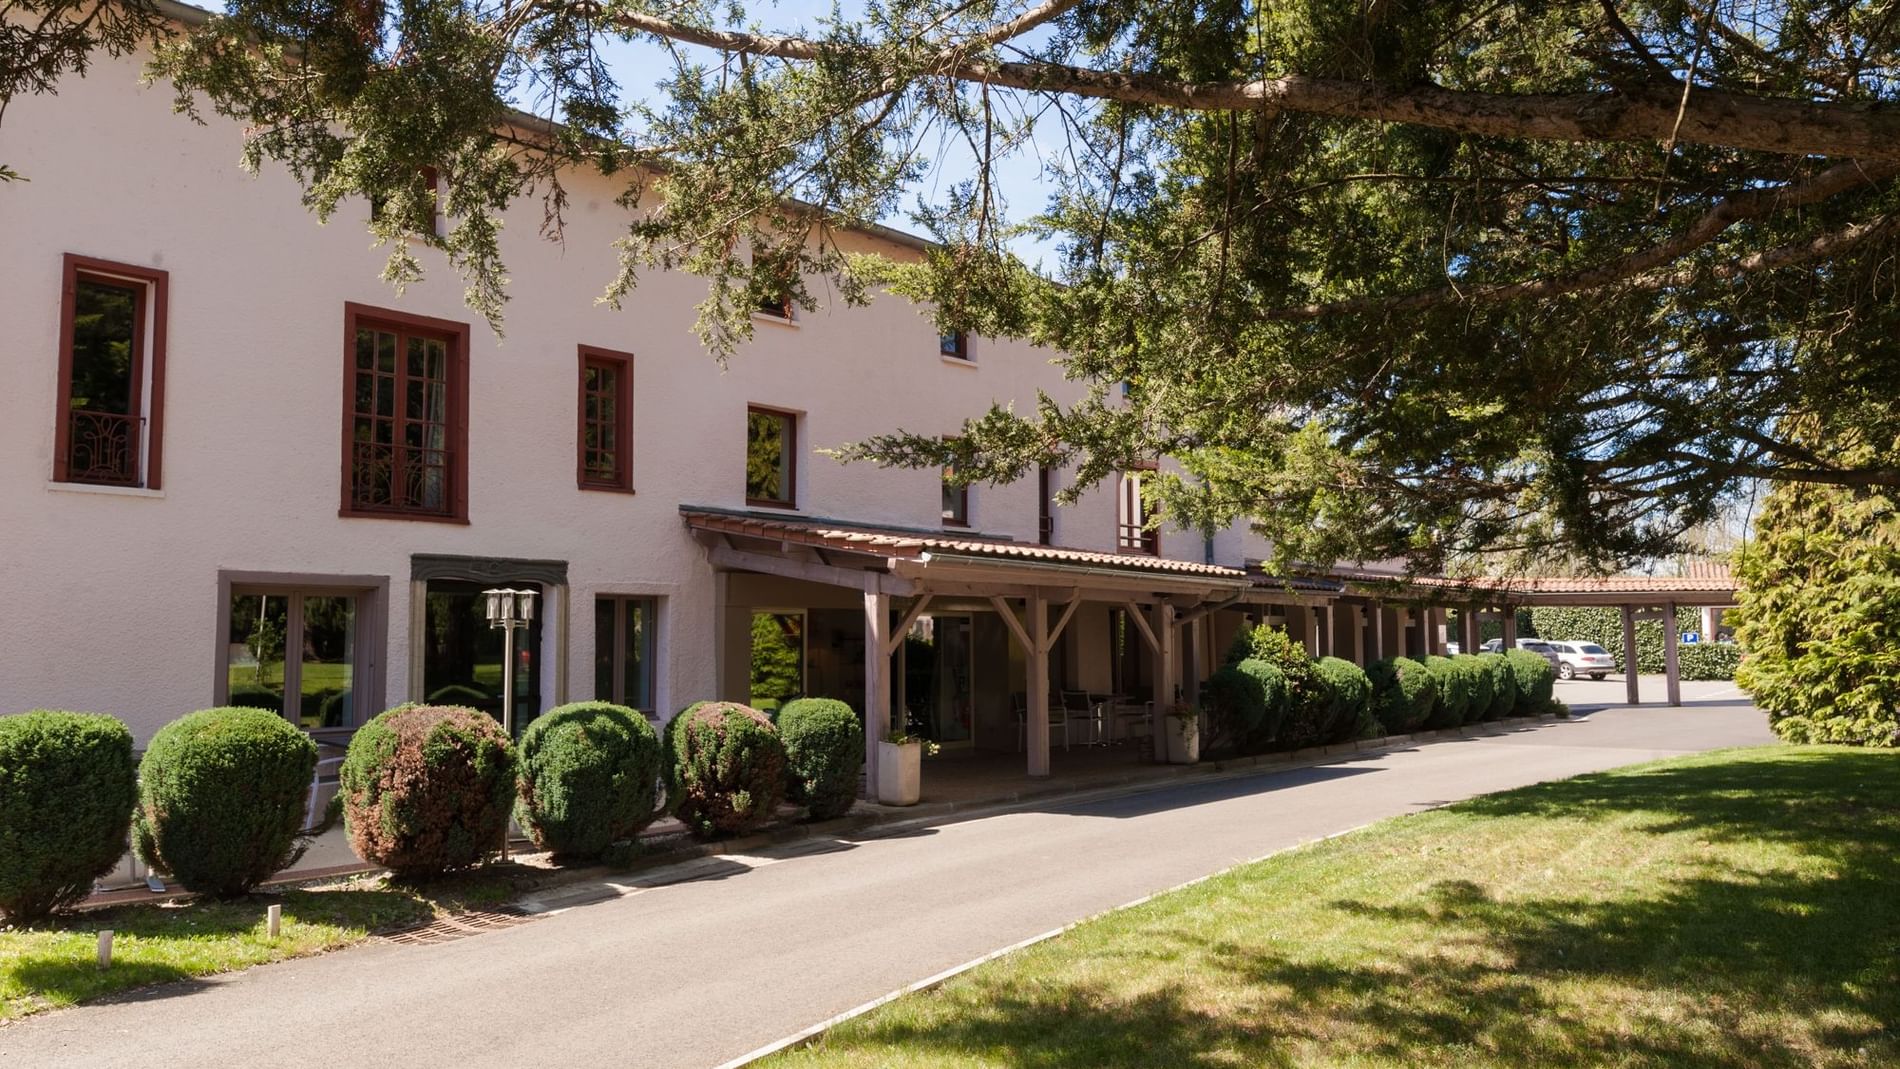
1534 645
1582 658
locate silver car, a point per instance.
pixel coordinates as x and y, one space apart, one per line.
1582 659
1533 645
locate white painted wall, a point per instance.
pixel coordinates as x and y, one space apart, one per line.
111 598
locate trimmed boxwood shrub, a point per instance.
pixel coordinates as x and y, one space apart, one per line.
67 787
1535 678
725 768
1247 703
587 775
1404 692
1503 685
1454 691
222 795
824 755
1480 681
427 789
1348 699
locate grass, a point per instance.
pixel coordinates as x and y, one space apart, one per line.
56 965
1738 909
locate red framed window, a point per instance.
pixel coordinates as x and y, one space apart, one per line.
771 458
955 344
605 443
956 500
405 416
1132 533
1045 506
110 416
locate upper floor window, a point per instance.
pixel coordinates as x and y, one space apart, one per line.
775 274
1045 506
405 435
111 374
771 458
606 420
954 344
1133 534
425 212
956 500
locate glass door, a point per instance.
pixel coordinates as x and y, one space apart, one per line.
462 655
954 712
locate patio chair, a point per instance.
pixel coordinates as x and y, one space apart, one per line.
1079 710
1058 720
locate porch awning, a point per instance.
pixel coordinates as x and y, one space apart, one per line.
1705 585
915 559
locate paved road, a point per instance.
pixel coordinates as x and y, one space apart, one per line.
712 959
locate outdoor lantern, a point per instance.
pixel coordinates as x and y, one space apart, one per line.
525 609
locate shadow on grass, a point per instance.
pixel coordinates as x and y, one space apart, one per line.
1739 960
154 944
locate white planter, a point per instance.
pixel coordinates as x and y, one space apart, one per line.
900 773
1184 740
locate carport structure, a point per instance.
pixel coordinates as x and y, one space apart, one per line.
1709 587
898 576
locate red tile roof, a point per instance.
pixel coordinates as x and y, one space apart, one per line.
915 544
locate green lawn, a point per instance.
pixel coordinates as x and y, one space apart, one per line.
56 964
1736 909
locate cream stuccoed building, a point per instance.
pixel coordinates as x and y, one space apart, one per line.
235 467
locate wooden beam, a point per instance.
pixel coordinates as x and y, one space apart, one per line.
1629 654
1163 676
1056 631
1141 625
1037 728
1015 626
810 571
1672 664
877 689
896 638
1210 608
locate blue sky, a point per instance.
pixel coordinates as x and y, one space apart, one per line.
639 66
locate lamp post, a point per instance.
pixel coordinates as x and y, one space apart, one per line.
508 609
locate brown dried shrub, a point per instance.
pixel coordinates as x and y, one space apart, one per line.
427 789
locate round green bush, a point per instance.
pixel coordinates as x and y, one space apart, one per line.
1247 703
824 755
222 798
587 778
1404 692
725 768
1535 678
67 787
1454 691
1349 699
1482 684
1503 685
426 789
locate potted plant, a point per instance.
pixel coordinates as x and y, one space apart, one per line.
900 770
1184 734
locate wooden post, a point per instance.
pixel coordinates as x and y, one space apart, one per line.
105 948
274 920
1470 628
1357 620
1629 654
1378 632
1164 676
1510 626
1710 614
1672 668
877 689
1038 661
1328 639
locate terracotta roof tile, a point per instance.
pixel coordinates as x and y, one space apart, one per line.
897 542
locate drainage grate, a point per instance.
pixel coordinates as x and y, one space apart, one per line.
459 926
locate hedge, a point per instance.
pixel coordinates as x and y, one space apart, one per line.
1503 685
1482 683
67 787
1404 692
1247 703
223 795
725 768
1820 610
1349 700
1709 660
427 789
1454 692
1565 623
588 776
824 755
1535 680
